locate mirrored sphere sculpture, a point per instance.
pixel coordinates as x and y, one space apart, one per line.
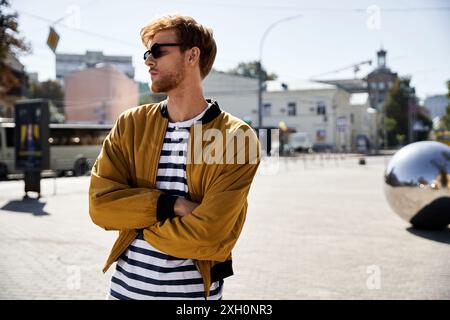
417 184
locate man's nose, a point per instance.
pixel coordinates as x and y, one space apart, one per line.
150 61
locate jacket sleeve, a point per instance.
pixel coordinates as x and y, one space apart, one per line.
212 229
113 203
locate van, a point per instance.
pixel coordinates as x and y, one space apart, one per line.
300 141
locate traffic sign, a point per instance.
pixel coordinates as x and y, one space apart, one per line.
53 39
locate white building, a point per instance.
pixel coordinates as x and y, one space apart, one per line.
365 120
235 94
436 105
328 113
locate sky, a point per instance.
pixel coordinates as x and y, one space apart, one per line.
323 36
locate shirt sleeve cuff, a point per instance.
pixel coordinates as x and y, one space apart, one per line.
165 207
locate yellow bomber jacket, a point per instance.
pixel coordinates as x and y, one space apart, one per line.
220 169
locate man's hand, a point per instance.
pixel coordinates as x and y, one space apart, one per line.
184 207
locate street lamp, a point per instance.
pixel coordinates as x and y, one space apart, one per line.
260 64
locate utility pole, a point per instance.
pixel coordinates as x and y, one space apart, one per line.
376 133
260 116
260 68
410 115
384 131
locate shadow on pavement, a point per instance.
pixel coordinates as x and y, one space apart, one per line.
29 205
435 235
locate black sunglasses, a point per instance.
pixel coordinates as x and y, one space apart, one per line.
155 50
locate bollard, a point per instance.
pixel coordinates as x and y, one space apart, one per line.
32 180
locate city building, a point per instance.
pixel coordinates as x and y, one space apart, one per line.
98 94
69 63
331 117
235 94
379 81
337 113
13 85
436 105
329 114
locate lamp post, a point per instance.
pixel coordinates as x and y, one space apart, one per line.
260 80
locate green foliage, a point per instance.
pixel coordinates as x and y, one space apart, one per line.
151 98
11 45
250 69
444 123
50 89
56 116
401 99
10 42
390 124
400 138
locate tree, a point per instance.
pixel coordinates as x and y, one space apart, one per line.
426 123
51 90
250 69
56 116
400 98
11 45
444 123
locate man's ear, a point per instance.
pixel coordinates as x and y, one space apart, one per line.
194 55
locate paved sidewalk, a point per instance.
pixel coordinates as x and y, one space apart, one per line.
316 229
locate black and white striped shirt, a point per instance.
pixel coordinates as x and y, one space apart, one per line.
142 271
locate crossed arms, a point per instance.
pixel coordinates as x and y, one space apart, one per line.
179 227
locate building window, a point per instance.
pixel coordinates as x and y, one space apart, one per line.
267 109
292 109
381 85
321 108
352 118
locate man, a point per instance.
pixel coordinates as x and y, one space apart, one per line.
170 177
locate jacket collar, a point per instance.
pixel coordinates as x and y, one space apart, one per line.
209 115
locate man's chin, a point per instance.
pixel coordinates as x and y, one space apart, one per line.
156 89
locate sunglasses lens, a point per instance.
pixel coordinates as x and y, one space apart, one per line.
156 51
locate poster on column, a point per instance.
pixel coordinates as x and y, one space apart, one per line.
31 135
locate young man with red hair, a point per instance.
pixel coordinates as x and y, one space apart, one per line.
178 219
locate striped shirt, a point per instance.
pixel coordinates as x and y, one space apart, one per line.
144 272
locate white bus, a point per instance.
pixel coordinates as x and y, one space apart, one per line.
73 147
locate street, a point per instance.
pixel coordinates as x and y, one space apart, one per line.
316 228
